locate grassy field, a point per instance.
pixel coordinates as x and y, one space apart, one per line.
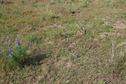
71 42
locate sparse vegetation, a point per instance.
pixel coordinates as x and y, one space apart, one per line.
71 41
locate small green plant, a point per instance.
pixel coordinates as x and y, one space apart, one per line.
9 28
100 22
34 39
17 55
86 3
108 27
100 82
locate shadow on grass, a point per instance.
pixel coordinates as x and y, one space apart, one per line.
33 60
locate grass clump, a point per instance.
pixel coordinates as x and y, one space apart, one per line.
86 3
120 66
108 28
17 55
9 28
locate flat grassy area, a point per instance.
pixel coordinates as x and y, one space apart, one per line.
72 41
